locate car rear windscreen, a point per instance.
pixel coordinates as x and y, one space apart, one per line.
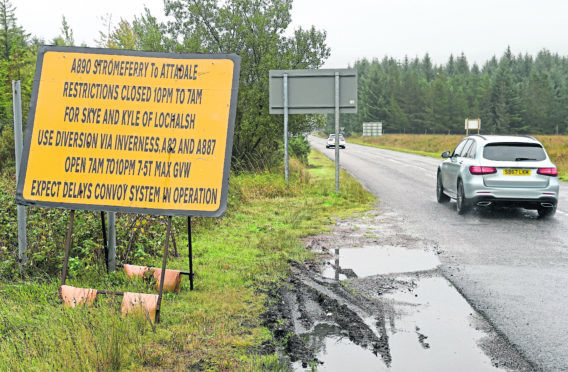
514 152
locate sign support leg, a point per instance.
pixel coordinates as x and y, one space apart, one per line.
286 164
163 273
111 241
174 243
67 247
105 244
190 253
337 132
21 210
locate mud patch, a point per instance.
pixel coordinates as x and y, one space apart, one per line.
375 300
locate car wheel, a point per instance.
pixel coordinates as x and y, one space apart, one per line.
442 198
462 202
544 212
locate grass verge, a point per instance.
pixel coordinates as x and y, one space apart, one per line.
218 326
434 145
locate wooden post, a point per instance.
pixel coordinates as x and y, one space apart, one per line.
176 254
67 247
163 273
104 239
190 253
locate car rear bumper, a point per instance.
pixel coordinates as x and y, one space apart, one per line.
521 197
490 200
476 190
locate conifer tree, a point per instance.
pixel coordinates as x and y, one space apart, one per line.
16 63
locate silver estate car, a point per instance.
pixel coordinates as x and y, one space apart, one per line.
331 141
509 171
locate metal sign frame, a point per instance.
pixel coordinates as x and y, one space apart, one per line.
372 129
326 91
313 91
157 208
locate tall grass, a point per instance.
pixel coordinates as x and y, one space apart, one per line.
557 149
218 326
37 333
434 145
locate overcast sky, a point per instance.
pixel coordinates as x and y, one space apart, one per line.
359 28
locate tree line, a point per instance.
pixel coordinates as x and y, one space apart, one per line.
515 94
511 95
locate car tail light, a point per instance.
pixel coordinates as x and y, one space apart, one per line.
474 169
552 172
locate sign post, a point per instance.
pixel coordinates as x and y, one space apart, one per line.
129 131
286 160
373 129
326 91
21 210
337 132
472 124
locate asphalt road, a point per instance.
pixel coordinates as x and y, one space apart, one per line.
509 265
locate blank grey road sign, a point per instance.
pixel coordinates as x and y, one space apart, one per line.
313 91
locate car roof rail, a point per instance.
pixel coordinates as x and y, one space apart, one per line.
478 135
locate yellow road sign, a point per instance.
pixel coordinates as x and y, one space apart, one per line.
130 131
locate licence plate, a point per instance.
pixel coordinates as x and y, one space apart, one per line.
516 172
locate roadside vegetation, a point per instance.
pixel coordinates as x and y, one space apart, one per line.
434 145
237 259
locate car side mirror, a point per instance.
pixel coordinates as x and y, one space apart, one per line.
446 154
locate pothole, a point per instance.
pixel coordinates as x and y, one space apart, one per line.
377 260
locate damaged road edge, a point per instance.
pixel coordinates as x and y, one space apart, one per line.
364 317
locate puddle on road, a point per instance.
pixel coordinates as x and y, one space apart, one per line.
378 260
435 330
425 327
338 353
